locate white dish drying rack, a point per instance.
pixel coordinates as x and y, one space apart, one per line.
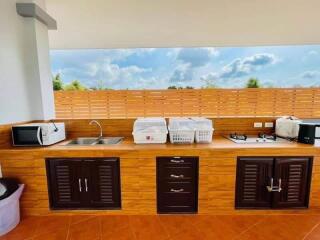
187 130
150 130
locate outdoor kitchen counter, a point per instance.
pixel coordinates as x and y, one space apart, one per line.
218 143
217 172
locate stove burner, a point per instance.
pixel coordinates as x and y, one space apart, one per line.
266 136
238 137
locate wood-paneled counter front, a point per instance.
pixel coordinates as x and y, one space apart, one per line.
217 173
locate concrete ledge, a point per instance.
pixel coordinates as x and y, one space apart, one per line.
34 11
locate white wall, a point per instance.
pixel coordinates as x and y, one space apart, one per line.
171 23
14 99
25 76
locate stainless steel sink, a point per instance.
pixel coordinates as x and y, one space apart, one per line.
94 141
109 140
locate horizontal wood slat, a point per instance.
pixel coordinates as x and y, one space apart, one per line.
116 104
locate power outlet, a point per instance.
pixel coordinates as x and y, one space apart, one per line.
268 124
257 125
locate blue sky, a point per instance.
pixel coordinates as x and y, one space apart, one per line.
158 68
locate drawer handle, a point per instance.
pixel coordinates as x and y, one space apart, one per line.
177 176
176 161
176 190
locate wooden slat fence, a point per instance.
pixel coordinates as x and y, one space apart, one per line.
115 104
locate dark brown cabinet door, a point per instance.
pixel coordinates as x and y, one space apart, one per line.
177 184
102 182
253 176
65 185
84 183
293 175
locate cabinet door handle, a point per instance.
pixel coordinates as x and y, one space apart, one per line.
176 161
177 176
279 186
271 188
176 190
80 187
86 184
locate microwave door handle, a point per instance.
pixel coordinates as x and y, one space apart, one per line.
317 126
38 135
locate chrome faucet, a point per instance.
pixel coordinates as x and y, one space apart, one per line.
99 125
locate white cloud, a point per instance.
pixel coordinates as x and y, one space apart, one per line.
310 74
313 53
210 76
196 57
111 74
115 73
241 67
182 73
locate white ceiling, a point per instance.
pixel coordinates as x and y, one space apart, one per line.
177 23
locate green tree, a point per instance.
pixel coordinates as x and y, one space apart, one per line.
253 83
75 85
57 82
172 87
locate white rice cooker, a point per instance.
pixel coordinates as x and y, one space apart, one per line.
288 127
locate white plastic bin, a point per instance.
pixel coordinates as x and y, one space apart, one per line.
10 211
181 130
150 130
203 129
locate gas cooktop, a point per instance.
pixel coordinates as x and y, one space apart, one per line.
260 138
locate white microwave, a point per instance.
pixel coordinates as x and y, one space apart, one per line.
38 134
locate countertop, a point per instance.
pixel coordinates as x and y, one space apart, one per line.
218 143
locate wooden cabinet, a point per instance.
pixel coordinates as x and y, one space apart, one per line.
177 184
253 175
282 182
84 183
295 175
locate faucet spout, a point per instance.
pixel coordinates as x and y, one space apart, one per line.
99 125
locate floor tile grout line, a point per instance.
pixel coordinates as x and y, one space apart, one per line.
246 230
196 224
100 227
69 225
312 229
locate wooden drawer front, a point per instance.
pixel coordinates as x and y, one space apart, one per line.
177 184
177 161
177 187
176 203
170 173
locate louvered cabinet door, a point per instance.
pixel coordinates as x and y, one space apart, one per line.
102 183
64 183
295 174
253 175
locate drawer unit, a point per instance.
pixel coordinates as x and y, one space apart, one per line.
177 184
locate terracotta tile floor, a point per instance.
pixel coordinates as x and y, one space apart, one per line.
167 227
